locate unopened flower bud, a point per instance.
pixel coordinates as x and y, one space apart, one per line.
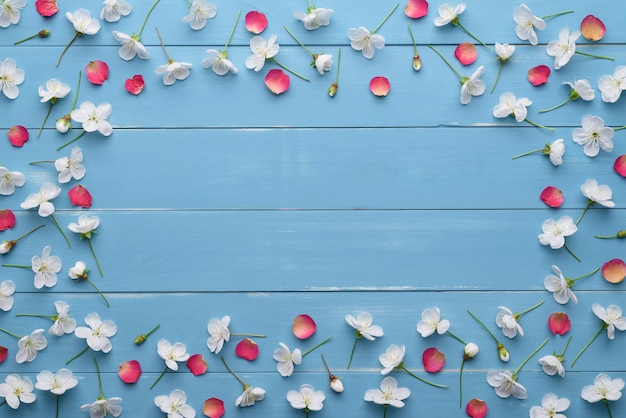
63 124
44 33
470 351
621 234
332 90
6 246
503 353
79 271
140 339
417 62
336 384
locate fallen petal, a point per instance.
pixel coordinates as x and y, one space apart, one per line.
7 219
277 81
46 8
256 22
4 352
80 196
197 365
304 326
433 360
18 135
97 72
129 371
247 349
466 53
559 323
614 271
416 8
135 85
539 75
620 165
476 408
213 408
379 86
592 28
552 197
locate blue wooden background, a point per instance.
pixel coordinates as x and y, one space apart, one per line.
217 197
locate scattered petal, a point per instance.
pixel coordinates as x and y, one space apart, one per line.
80 196
213 408
303 326
129 371
18 135
247 349
552 196
620 165
97 72
197 365
7 219
476 408
614 271
592 28
46 8
416 8
277 81
433 360
135 85
4 352
379 86
466 53
256 22
539 75
559 323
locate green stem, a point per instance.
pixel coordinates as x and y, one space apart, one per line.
10 333
77 355
557 14
461 383
585 275
437 385
620 234
28 233
248 335
527 153
101 396
606 402
232 31
339 66
589 204
385 411
99 292
571 253
233 373
385 19
518 314
3 402
316 346
619 128
95 257
602 57
311 5
298 41
141 338
566 345
41 162
35 315
21 266
169 60
557 106
539 126
530 356
57 406
45 119
495 83
26 39
80 76
456 338
412 38
352 353
146 19
159 378
288 69
484 326
446 61
472 35
72 140
76 35
602 328
60 229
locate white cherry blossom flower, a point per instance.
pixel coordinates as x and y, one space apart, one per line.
261 51
9 180
131 46
94 118
363 326
16 390
63 322
53 91
551 406
79 271
612 317
552 365
507 320
509 105
472 85
594 135
603 389
104 407
505 385
250 396
41 199
527 23
554 232
219 332
29 345
46 268
391 358
218 61
447 13
323 62
175 405
612 86
98 333
57 383
199 12
314 18
85 225
83 22
172 71
7 288
388 394
306 398
563 49
581 88
10 78
10 12
71 167
431 322
598 194
557 149
113 10
172 353
559 287
363 40
504 51
286 359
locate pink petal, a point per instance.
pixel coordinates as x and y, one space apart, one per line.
433 360
539 75
466 53
197 365
559 323
379 86
552 197
416 8
4 352
135 85
129 371
277 81
97 72
256 22
592 28
620 165
303 326
7 219
614 271
18 135
80 196
213 408
247 349
476 408
46 8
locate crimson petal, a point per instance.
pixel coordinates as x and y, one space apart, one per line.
620 165
4 352
552 196
539 75
80 196
256 22
559 323
46 8
416 8
476 408
97 72
379 86
129 371
213 408
135 85
466 53
433 360
277 81
197 365
7 219
247 349
18 135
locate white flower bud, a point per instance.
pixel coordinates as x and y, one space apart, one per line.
470 350
336 384
63 125
6 246
503 353
79 271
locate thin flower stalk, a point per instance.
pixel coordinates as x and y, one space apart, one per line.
620 234
570 282
332 90
385 19
83 351
447 62
93 252
300 42
495 83
54 219
289 69
143 24
71 141
315 346
580 353
85 277
545 150
557 14
516 371
602 57
67 117
41 34
10 244
10 333
417 61
502 351
401 366
456 338
140 339
457 22
76 35
159 378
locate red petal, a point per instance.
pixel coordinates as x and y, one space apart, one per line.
197 365
256 22
416 8
129 371
7 219
433 360
614 271
379 86
620 165
552 196
277 81
559 323
592 28
247 349
4 352
476 408
304 326
539 75
80 196
466 53
135 85
213 408
18 135
97 72
46 8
